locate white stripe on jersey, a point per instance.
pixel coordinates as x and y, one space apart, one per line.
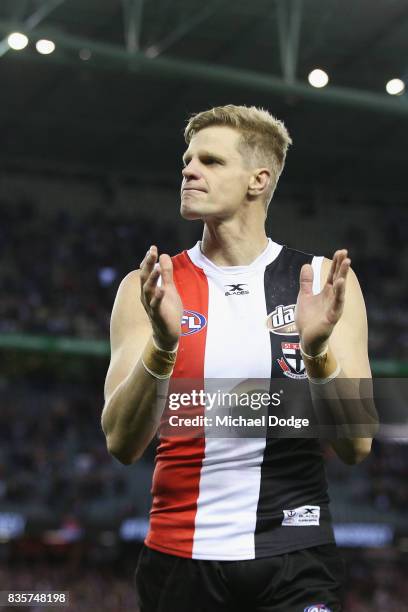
226 518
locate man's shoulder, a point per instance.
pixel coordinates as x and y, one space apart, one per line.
289 252
186 259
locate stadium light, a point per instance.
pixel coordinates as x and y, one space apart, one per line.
17 41
318 78
45 47
85 54
152 52
395 87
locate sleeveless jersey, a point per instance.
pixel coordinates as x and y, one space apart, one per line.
238 498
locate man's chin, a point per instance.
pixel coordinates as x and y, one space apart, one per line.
188 212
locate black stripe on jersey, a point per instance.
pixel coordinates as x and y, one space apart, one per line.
292 472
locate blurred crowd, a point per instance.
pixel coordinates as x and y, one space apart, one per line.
386 482
59 276
60 272
379 483
372 583
53 457
89 588
381 263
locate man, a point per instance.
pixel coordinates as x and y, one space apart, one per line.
228 527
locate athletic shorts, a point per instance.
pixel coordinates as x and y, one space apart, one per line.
307 580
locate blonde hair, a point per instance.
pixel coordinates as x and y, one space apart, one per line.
264 139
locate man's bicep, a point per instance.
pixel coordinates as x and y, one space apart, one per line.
128 314
129 332
349 340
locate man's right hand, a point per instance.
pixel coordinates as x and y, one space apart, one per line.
162 304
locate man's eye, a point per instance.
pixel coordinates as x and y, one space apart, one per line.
206 160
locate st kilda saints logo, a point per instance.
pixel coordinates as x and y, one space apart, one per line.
292 363
281 321
237 289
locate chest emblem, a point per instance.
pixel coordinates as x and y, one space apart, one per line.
192 322
291 363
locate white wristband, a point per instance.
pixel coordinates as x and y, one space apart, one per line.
158 362
158 376
322 354
159 348
323 381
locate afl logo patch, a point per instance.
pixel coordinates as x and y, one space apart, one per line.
282 321
317 608
192 322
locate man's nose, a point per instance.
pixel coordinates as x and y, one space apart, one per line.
191 171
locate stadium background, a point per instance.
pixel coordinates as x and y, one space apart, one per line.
90 160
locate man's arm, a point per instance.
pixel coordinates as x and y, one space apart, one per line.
333 331
132 410
349 345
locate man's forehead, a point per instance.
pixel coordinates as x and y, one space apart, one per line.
218 139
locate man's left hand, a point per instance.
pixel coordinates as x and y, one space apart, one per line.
316 315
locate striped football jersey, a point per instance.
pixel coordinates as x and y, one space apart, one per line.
238 498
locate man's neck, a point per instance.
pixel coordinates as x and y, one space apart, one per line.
226 245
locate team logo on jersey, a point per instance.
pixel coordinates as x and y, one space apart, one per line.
292 363
282 321
317 608
192 322
236 289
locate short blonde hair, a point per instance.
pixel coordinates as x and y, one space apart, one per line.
264 139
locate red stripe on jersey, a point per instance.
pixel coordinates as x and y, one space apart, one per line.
176 477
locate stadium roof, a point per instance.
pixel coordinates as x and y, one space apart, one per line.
148 64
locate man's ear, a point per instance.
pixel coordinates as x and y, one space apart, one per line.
259 182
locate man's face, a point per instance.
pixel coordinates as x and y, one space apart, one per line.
215 180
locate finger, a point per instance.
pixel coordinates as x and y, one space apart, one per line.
151 283
148 263
330 276
157 298
306 280
339 256
339 288
336 261
142 263
345 267
342 276
166 267
343 270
